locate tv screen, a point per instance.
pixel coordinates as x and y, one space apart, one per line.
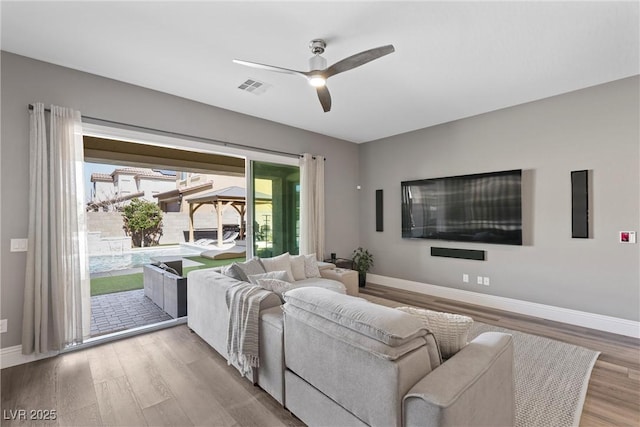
484 207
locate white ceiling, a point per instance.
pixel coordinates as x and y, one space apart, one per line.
452 59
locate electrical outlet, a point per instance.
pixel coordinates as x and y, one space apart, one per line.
480 280
3 325
486 281
465 278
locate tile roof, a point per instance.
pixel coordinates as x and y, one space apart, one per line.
183 190
233 192
136 172
101 177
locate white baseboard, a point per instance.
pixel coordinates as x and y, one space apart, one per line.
12 356
573 317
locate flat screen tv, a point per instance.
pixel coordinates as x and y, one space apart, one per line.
484 207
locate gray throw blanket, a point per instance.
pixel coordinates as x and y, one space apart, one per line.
243 301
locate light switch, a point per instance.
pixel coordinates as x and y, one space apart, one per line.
19 245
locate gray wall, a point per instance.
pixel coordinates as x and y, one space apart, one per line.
27 81
595 129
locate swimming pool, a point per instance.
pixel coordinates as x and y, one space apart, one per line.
133 259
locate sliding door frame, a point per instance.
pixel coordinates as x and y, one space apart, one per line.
161 139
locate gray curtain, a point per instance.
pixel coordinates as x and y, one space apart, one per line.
57 277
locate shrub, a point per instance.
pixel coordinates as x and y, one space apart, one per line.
143 222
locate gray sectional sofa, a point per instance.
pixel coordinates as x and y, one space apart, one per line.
209 318
338 360
350 362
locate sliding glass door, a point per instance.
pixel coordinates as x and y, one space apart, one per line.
275 208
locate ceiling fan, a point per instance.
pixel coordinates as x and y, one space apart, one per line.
319 73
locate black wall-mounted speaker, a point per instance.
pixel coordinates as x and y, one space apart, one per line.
580 204
379 215
458 253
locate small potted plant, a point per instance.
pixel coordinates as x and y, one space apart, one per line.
362 260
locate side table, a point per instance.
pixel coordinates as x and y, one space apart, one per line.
345 263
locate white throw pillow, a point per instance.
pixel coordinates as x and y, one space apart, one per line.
276 286
297 267
280 275
451 330
311 266
278 263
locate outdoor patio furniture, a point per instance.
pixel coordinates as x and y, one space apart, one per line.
166 289
236 251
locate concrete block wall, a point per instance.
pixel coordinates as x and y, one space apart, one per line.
109 224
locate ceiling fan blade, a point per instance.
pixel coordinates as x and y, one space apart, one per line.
324 97
358 59
270 68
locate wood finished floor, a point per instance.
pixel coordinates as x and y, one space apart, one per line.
169 377
173 378
613 397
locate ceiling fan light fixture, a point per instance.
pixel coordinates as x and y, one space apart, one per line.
317 80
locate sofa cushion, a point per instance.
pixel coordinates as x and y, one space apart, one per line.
278 263
280 275
241 270
276 286
349 336
451 330
385 324
311 266
321 282
297 267
232 271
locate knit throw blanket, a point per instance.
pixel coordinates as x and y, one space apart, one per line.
243 301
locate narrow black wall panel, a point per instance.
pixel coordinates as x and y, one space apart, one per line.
379 214
580 204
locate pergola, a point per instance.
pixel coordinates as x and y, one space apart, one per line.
234 196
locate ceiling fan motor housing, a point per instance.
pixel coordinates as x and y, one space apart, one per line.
317 46
317 63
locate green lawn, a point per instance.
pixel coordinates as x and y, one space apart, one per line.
129 282
111 284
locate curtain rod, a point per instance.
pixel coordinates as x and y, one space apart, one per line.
192 137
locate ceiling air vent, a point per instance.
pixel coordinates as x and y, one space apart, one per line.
254 86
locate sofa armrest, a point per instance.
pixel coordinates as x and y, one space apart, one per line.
474 387
349 278
207 306
325 266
